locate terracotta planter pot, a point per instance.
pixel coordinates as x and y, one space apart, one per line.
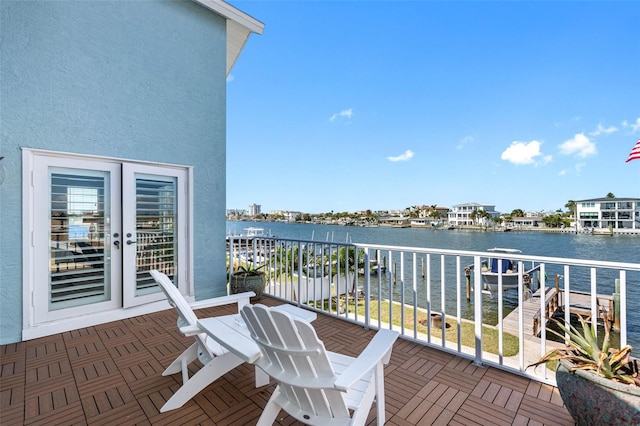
243 282
594 400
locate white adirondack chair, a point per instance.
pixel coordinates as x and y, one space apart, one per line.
316 386
216 360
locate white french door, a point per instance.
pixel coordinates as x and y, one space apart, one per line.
98 228
151 228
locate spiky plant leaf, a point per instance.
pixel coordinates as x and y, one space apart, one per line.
583 352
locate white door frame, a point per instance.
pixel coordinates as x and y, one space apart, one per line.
34 323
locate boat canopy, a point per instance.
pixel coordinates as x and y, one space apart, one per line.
504 250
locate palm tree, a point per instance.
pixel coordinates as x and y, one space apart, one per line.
434 213
508 218
610 195
473 216
483 214
571 206
517 213
414 212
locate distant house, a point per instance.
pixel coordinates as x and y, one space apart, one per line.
286 215
425 212
395 222
113 138
461 214
617 213
526 222
424 222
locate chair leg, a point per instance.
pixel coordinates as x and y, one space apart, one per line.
262 378
271 410
189 355
209 373
379 383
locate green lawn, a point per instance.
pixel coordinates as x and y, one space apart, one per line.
489 334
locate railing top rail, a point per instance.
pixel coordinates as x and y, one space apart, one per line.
516 256
296 240
543 259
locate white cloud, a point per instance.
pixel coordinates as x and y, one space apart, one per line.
634 126
562 172
408 154
230 78
464 141
579 167
580 145
521 153
348 113
603 130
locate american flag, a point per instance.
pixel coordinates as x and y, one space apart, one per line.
635 152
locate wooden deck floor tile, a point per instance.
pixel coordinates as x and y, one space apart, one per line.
71 414
126 414
505 378
480 411
544 412
112 374
456 379
514 401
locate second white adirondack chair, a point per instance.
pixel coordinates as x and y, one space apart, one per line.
316 386
216 360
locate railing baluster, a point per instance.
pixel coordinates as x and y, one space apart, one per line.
458 304
477 308
291 264
443 301
623 309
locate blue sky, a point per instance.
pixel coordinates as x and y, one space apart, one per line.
355 105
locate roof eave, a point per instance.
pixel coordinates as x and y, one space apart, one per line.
239 27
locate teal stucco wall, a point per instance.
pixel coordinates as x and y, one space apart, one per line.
142 80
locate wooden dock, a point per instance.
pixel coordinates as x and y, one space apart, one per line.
534 319
530 313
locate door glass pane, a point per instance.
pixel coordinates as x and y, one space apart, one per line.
78 259
155 227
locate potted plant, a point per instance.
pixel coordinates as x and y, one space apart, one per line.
248 277
599 385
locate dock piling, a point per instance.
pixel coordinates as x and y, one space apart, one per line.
467 275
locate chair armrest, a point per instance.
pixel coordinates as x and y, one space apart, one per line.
377 351
240 298
191 330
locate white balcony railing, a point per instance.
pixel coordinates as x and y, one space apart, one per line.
412 289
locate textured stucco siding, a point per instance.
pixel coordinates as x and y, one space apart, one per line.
141 80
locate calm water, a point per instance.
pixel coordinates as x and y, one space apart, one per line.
617 248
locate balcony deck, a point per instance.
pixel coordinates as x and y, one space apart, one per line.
111 373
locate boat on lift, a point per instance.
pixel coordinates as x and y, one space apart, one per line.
496 267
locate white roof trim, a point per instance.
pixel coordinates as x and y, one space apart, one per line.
239 27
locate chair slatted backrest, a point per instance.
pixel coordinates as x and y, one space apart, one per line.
186 316
295 357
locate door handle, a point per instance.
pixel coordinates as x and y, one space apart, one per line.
129 242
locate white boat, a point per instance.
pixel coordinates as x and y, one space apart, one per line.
255 232
602 231
496 267
254 246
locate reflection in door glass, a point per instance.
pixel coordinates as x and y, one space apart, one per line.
78 263
155 227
